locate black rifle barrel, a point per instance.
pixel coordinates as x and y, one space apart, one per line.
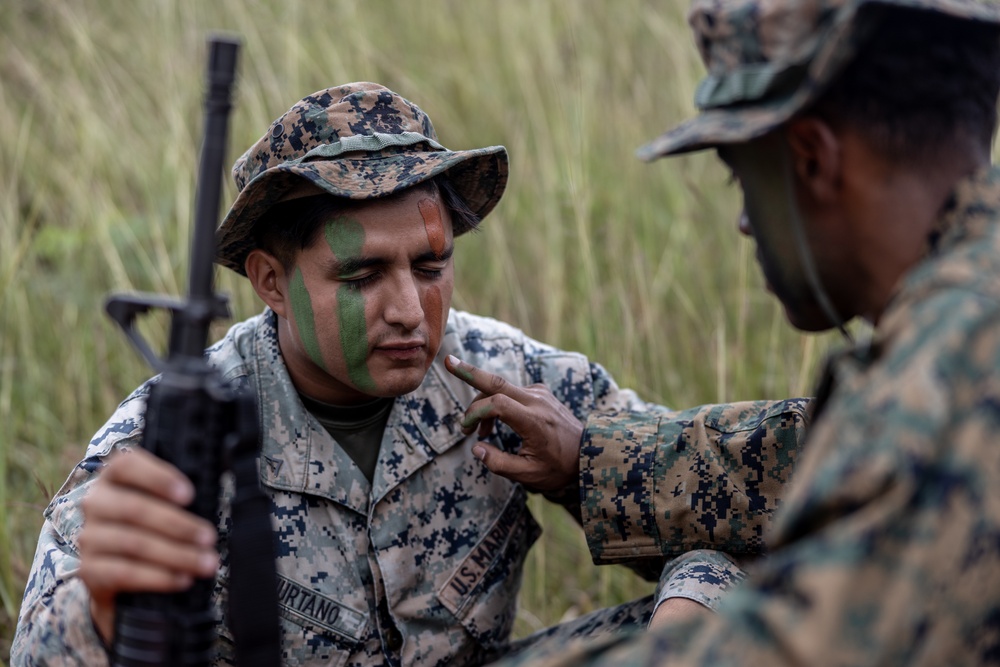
201 297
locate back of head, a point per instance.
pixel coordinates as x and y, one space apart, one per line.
921 85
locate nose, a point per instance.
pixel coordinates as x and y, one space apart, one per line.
404 308
743 223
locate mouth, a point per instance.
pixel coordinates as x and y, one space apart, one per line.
402 350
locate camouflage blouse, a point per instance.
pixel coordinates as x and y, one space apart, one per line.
886 550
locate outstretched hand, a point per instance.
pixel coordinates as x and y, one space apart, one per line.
549 458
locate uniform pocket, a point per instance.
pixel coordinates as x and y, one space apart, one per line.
481 591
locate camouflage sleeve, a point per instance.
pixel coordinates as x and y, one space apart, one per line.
55 627
703 575
585 388
658 483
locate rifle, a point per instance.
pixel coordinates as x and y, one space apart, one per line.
203 426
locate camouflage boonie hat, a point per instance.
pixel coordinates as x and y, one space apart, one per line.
768 59
359 141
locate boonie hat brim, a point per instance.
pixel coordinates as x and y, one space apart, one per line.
358 141
745 95
479 176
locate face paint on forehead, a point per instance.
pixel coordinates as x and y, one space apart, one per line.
345 236
304 319
430 211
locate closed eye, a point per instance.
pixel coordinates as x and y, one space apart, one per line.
362 282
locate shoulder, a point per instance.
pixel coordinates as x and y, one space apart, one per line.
493 345
947 335
507 351
471 330
233 352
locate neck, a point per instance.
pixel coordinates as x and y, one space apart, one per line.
903 206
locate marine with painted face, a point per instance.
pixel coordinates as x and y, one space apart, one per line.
396 545
860 133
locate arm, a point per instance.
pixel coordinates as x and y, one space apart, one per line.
884 549
654 483
54 626
659 484
116 525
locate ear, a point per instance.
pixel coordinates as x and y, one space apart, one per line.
817 157
267 276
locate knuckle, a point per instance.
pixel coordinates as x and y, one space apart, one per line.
497 383
131 544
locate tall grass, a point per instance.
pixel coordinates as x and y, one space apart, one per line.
638 266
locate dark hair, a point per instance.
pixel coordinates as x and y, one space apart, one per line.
291 226
920 82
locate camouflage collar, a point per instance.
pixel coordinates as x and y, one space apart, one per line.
299 455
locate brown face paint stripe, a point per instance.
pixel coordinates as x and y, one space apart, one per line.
434 313
430 211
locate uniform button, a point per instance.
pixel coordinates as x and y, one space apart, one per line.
393 639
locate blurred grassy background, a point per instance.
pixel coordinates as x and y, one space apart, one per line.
638 266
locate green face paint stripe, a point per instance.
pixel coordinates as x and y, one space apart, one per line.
304 320
354 336
475 416
345 236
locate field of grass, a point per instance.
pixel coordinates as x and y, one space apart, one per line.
639 266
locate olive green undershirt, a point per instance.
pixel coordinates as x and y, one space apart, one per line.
356 428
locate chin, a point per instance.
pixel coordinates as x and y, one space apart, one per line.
400 382
809 320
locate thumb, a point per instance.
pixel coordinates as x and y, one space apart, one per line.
498 461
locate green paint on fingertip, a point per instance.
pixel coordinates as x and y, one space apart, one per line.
354 337
476 416
464 372
304 319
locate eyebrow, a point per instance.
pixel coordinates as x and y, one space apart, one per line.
349 265
431 256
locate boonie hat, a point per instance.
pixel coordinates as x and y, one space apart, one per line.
359 141
768 59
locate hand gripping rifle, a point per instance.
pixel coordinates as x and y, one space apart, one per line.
202 426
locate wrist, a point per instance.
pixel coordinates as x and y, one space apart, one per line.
103 618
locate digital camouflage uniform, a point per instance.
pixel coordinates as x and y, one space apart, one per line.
423 565
886 550
420 567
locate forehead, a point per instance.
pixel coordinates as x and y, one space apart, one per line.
416 216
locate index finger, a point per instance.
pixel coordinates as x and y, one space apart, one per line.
141 470
483 381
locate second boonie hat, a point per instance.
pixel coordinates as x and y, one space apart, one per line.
768 59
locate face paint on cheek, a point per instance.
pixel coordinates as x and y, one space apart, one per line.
346 238
430 211
305 322
434 312
354 336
